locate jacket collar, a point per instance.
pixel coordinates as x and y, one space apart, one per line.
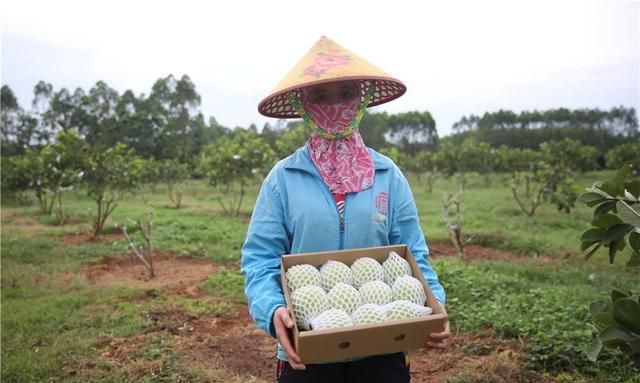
300 160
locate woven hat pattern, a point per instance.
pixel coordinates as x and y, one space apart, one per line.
327 62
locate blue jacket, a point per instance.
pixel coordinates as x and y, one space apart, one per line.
296 213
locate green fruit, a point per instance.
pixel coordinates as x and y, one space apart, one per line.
368 313
308 302
405 310
302 275
365 270
409 289
331 318
376 292
333 272
344 297
394 267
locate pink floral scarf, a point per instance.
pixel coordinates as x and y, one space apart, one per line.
344 164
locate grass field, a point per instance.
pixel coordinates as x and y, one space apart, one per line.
79 310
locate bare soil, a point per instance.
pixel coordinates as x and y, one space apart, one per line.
20 222
179 274
481 253
237 346
234 345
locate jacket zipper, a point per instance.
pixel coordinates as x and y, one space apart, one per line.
341 218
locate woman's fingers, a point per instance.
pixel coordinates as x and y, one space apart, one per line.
439 335
282 323
440 340
439 345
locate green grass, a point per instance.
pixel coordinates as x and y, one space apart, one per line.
226 283
492 216
545 305
49 326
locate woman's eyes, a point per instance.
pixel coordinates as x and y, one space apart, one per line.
343 95
347 95
319 98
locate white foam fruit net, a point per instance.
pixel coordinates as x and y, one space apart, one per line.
409 289
302 275
308 302
365 270
376 292
331 318
394 267
405 310
368 313
333 272
327 298
344 297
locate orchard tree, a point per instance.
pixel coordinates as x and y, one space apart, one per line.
291 139
173 173
543 183
616 227
451 205
625 154
424 163
63 167
509 160
16 178
232 163
456 160
479 157
570 155
109 174
401 159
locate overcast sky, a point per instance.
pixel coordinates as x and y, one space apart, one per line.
456 57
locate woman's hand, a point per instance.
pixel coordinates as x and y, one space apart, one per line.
440 340
283 322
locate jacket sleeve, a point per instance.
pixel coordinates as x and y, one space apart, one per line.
266 241
405 229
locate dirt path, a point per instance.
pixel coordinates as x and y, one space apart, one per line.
481 253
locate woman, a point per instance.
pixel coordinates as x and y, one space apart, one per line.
333 193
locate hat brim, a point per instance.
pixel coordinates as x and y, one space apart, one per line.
386 89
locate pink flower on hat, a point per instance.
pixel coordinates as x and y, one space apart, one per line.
325 61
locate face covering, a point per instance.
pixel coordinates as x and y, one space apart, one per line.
337 149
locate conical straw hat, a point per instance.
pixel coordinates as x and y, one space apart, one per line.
327 62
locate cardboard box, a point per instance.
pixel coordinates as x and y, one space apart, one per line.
318 346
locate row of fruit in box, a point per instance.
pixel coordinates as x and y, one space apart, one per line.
367 292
